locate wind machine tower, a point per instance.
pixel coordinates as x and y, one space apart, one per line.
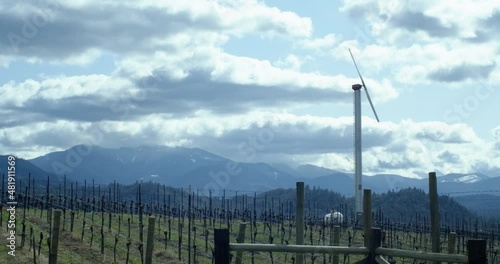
358 186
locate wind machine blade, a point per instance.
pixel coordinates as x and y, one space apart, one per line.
363 83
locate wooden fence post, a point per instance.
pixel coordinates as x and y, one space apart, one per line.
55 237
375 241
72 221
299 221
367 214
150 241
241 239
221 241
434 207
452 241
34 245
23 232
476 251
336 242
102 240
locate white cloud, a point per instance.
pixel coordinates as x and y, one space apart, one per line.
427 42
200 95
496 133
92 28
319 44
57 88
12 94
239 16
417 63
291 62
408 148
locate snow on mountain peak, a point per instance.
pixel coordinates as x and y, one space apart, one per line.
463 178
468 178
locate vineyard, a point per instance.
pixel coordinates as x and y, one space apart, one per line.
114 224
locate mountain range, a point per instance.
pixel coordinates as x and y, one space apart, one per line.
181 167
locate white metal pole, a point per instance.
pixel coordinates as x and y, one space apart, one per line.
357 150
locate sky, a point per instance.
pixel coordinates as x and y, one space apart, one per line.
257 81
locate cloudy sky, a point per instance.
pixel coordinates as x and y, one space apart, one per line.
256 80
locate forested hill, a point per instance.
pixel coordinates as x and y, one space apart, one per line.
403 205
411 203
